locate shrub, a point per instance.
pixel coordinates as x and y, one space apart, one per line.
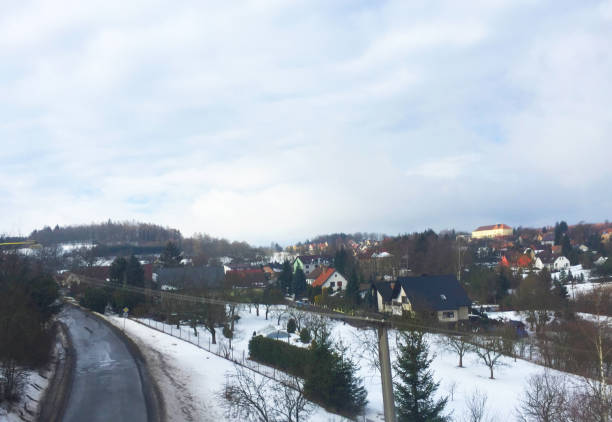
291 326
94 299
284 356
305 335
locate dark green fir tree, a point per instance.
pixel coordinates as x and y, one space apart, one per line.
415 390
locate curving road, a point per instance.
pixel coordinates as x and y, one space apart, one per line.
106 385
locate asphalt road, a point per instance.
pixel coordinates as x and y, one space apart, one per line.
107 384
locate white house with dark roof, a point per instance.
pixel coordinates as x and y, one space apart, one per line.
441 295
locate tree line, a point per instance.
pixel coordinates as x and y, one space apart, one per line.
28 302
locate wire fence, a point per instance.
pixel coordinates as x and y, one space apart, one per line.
220 349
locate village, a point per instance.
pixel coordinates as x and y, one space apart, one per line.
494 298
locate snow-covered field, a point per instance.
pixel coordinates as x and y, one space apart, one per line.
202 374
190 378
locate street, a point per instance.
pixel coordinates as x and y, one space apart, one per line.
107 384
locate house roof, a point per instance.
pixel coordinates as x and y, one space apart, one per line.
309 259
316 273
182 277
323 277
436 292
492 227
385 290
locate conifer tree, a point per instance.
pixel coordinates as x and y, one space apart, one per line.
299 282
285 278
414 393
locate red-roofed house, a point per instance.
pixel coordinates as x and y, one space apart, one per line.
523 261
495 230
331 279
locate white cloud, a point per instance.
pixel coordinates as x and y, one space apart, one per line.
278 121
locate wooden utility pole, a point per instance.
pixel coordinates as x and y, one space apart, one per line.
385 373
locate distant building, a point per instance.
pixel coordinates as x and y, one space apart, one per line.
561 263
496 230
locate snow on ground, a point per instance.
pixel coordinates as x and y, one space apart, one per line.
36 383
190 378
503 392
579 288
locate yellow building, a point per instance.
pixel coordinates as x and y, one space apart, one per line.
496 230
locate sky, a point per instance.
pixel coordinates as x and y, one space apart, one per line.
280 120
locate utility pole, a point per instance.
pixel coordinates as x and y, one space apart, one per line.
385 373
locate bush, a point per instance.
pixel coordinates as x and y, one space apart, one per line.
291 326
329 378
94 299
284 356
305 335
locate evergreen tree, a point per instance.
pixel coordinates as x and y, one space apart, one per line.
117 270
134 272
352 288
299 283
331 379
285 278
560 290
414 394
566 246
341 261
171 256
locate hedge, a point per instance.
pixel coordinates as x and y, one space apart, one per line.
288 358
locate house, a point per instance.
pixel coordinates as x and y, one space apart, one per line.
382 291
538 264
561 263
524 261
189 277
252 277
495 230
439 294
331 279
309 263
312 276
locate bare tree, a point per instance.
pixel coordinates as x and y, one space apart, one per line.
490 349
318 325
246 396
545 399
451 388
368 340
299 317
280 312
253 397
12 379
293 405
476 404
457 344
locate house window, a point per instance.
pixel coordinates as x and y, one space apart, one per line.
448 315
339 284
404 299
332 284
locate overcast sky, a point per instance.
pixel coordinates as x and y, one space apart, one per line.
280 120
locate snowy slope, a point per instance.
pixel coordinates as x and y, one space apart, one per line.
503 392
190 378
